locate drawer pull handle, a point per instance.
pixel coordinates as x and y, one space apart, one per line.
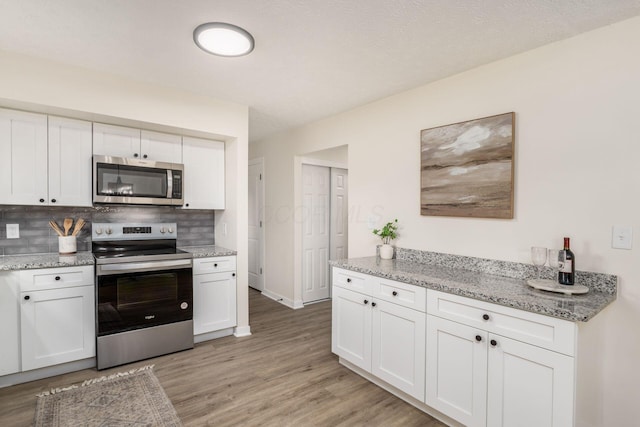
27 297
215 265
485 316
494 343
394 293
348 280
366 302
373 304
57 277
478 338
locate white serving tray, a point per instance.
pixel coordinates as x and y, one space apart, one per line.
553 286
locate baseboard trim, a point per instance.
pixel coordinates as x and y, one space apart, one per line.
283 300
49 371
212 335
242 331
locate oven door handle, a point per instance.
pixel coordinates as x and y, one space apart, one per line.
132 267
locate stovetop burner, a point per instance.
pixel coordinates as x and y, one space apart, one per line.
135 242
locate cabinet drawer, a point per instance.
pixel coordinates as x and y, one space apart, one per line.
55 278
214 265
542 331
410 296
351 280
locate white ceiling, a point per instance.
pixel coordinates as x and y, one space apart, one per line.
313 58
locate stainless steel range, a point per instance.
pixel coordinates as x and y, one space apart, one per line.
144 292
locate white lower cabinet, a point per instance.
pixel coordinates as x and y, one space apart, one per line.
528 386
456 371
9 324
214 294
57 326
475 363
481 378
380 337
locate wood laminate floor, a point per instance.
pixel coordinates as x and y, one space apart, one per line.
282 375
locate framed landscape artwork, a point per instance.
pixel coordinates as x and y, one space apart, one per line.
466 169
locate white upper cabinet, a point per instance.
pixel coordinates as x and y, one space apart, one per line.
161 147
69 162
118 141
23 158
204 174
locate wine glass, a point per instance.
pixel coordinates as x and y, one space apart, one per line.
539 258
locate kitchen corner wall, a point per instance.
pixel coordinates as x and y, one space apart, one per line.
576 174
195 227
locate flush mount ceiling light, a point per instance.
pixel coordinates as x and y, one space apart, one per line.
223 39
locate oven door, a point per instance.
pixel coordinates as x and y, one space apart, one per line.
142 294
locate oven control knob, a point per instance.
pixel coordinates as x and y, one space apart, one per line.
98 231
108 230
163 230
170 230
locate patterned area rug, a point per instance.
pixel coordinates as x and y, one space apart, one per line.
128 399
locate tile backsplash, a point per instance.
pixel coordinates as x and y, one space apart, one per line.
195 227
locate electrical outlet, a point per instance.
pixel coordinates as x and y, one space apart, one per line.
13 231
622 237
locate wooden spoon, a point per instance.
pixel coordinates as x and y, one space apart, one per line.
54 225
79 224
68 222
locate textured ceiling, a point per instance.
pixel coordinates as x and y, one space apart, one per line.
313 58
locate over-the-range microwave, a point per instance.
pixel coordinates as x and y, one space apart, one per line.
137 182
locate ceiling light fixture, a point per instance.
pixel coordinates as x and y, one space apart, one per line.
219 38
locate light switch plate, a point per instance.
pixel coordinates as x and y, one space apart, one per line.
622 237
13 231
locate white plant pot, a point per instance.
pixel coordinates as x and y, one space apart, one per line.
386 252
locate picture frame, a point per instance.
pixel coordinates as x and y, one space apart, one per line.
467 168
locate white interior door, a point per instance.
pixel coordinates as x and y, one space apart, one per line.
316 191
339 214
256 209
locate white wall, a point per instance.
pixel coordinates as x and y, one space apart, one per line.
49 87
576 174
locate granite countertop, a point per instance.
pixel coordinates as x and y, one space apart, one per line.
507 291
208 251
53 260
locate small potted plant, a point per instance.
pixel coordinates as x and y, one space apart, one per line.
387 234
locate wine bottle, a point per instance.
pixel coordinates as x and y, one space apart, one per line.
567 265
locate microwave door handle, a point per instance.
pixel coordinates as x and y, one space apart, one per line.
169 184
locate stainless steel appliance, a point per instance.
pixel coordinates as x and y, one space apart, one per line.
136 181
144 292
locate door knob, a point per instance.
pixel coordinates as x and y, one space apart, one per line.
485 316
493 343
478 338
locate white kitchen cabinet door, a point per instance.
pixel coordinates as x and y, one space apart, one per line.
117 141
456 378
160 147
398 347
351 327
528 386
57 326
23 158
10 324
70 151
204 173
214 302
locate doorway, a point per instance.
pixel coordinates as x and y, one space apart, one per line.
256 224
324 227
